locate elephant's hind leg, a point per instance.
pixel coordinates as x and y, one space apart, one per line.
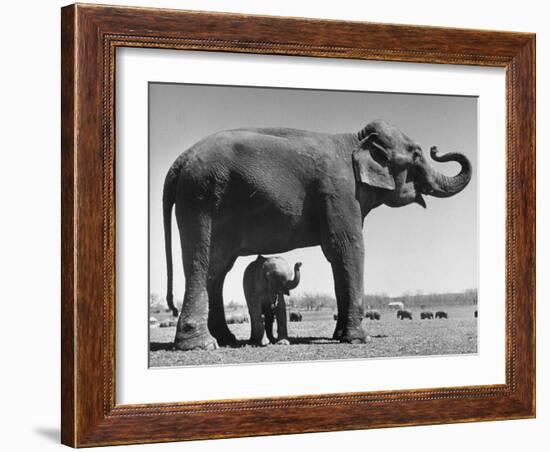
192 331
219 267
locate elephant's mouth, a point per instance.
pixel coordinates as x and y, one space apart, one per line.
420 200
423 188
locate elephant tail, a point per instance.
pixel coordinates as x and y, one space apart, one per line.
168 201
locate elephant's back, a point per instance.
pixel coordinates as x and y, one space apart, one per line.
250 166
272 148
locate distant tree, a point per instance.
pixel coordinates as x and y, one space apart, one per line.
375 301
467 297
311 301
233 305
155 299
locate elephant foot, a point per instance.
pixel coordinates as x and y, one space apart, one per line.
282 342
338 334
263 343
192 337
354 336
227 340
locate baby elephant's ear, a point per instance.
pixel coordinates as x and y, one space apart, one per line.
371 164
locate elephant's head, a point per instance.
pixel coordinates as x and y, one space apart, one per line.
395 165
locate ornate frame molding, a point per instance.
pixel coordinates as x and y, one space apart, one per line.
90 37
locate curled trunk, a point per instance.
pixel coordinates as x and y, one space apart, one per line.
294 283
444 186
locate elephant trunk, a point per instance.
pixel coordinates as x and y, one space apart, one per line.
442 186
294 283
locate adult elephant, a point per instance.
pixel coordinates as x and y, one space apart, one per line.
266 281
404 314
271 190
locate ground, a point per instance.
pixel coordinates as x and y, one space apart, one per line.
311 340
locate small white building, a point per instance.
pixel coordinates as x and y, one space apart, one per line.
396 305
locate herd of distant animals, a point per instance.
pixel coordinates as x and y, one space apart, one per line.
402 314
424 315
372 314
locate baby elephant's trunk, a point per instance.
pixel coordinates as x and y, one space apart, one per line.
294 283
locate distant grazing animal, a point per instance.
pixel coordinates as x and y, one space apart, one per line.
441 315
266 281
295 316
404 314
167 323
475 314
335 316
426 315
372 314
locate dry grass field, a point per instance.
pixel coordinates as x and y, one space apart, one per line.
310 339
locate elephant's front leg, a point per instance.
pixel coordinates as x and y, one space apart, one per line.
342 244
280 313
348 283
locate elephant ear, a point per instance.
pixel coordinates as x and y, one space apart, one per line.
371 164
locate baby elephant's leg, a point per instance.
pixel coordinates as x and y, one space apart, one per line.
257 329
268 318
282 333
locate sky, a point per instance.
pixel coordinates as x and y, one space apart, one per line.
407 249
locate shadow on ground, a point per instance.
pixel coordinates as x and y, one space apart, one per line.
50 433
310 340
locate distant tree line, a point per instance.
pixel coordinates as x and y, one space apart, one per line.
316 301
312 302
380 301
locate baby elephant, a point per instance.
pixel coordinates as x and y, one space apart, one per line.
266 282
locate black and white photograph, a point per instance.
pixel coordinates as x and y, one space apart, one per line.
303 224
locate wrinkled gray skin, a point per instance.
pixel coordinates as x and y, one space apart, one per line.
253 191
266 281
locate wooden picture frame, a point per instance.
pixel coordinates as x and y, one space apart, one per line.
90 35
